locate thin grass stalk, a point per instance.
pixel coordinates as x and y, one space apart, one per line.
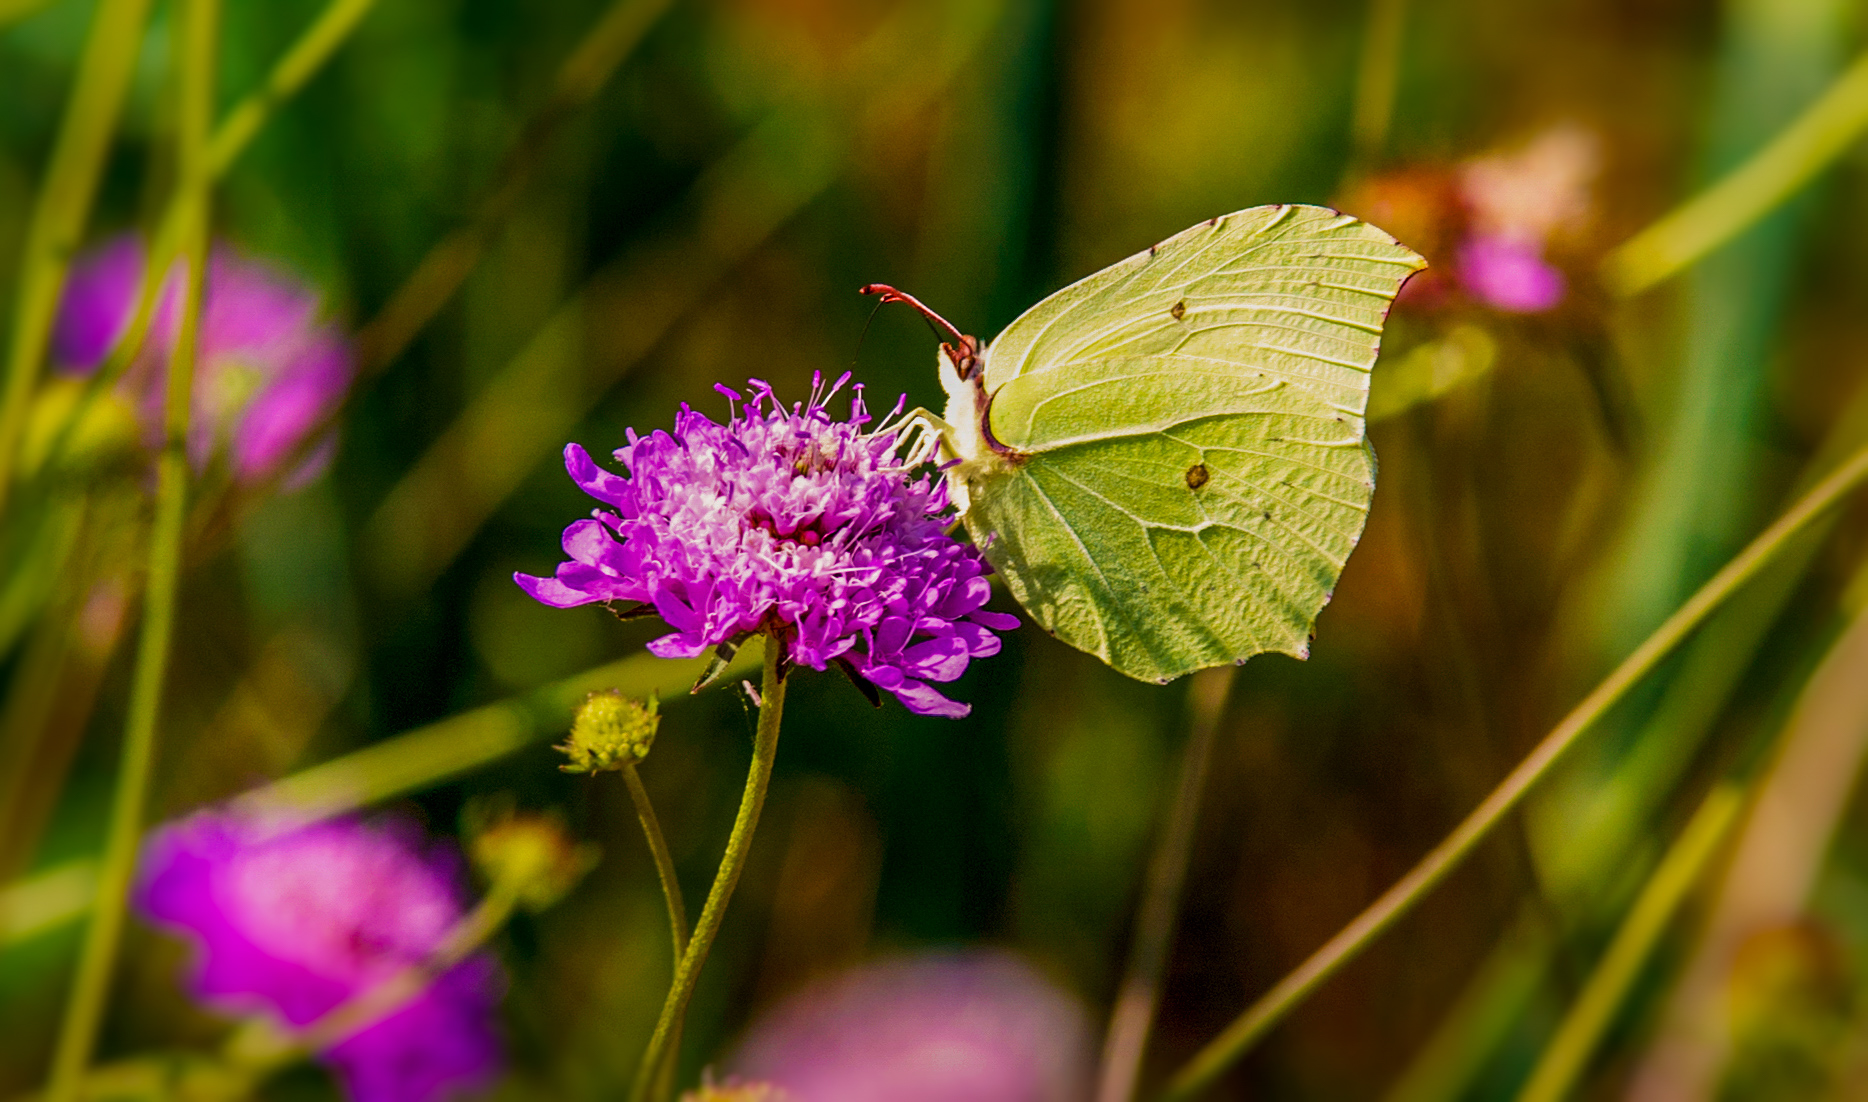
1271 1008
409 762
1704 680
1817 138
1133 1016
452 259
197 61
294 68
687 969
1378 76
1589 1017
63 206
448 263
230 139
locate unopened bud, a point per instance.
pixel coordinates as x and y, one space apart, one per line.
533 852
609 732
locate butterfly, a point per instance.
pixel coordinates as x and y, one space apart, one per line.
1167 461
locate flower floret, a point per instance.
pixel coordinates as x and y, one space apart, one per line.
786 521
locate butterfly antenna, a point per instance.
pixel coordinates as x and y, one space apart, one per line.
887 293
864 335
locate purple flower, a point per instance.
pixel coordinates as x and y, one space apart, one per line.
786 522
1517 205
980 1026
268 369
1509 275
294 924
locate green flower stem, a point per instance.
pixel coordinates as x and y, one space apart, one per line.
262 1047
1258 1019
63 205
664 864
687 969
1824 132
399 990
1594 1010
197 62
1140 995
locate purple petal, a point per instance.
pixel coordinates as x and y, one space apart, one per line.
997 621
937 659
924 701
677 645
592 479
553 592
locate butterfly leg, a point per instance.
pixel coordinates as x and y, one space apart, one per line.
925 435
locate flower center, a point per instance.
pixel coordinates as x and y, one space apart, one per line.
810 533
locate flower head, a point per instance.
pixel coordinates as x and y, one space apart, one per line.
788 522
610 732
295 924
268 370
1517 204
980 1026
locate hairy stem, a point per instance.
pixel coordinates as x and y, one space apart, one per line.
1140 995
197 61
1258 1019
687 969
664 864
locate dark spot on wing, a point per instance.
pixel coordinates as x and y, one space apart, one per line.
1179 310
1197 476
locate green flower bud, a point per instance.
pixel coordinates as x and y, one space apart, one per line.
531 852
609 732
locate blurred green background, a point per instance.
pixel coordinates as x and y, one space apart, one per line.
708 216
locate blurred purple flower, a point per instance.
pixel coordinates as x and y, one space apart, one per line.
790 522
295 924
268 371
1517 204
980 1026
1509 275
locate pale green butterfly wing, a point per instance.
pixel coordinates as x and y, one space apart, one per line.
1191 471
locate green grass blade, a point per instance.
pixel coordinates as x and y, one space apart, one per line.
198 59
1269 1010
63 206
1819 137
1594 1010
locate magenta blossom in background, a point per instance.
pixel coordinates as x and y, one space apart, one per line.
1517 204
983 1027
1509 275
784 520
295 924
268 368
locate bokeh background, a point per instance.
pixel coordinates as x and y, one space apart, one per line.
1553 482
